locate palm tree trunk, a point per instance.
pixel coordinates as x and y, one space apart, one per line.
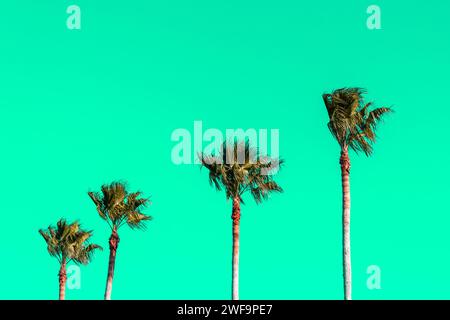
345 174
236 216
113 244
62 280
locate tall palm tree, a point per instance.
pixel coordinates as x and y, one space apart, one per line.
68 242
118 207
237 169
353 124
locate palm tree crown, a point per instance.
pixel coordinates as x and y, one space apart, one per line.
118 207
68 242
351 122
238 168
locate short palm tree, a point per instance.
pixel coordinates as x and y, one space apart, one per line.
352 123
68 242
118 207
238 169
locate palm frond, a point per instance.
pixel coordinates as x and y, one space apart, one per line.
118 207
350 121
239 168
67 241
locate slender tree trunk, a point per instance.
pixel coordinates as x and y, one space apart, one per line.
113 244
62 280
236 216
345 173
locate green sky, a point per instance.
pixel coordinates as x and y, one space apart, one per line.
79 108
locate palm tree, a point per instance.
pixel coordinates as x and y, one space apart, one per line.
118 207
353 125
237 169
68 242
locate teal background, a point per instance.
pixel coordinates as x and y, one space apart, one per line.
82 108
